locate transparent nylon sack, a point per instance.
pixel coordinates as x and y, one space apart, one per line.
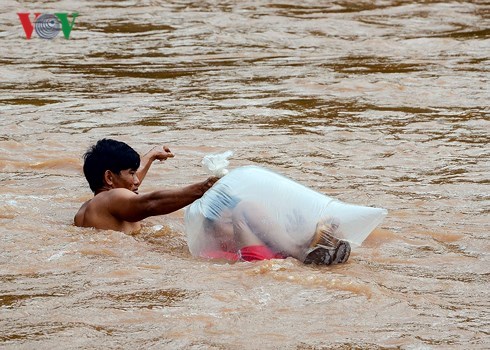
283 213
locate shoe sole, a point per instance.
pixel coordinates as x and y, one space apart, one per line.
322 255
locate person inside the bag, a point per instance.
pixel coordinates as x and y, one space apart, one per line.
243 230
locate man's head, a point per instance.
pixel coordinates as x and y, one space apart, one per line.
111 164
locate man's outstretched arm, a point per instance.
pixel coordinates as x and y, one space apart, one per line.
128 206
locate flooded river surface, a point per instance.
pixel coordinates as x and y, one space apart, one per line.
377 103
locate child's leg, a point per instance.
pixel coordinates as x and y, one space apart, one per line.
253 226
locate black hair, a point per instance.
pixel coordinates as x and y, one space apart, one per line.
111 155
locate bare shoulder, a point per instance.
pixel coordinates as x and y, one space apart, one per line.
106 198
78 219
102 210
118 193
109 202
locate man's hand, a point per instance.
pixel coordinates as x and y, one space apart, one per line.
202 187
207 184
160 153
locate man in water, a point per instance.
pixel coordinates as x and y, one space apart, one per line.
114 172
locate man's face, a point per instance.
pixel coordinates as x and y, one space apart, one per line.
126 179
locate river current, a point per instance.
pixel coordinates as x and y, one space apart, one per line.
376 103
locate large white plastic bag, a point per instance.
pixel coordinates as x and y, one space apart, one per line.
295 208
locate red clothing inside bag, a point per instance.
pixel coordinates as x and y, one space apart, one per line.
249 253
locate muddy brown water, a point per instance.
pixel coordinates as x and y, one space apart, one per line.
381 103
